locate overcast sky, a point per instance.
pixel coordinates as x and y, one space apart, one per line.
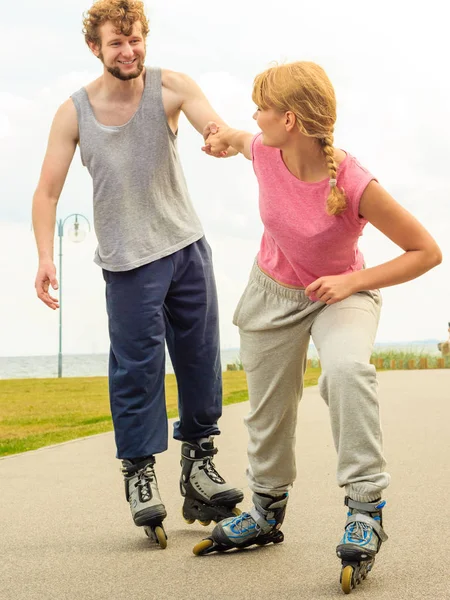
388 62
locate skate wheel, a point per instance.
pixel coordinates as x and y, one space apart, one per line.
347 579
236 511
188 521
205 523
161 537
202 547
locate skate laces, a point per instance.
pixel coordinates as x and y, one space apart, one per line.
145 477
238 525
211 471
359 532
245 522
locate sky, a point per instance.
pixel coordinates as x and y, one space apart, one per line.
388 64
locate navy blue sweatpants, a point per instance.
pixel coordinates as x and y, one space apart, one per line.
172 299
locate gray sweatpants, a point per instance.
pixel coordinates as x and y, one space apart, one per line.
275 325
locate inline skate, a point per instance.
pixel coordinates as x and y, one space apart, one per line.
259 527
141 490
361 542
207 496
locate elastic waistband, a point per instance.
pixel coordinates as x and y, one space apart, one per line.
263 280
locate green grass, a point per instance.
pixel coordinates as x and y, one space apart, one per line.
41 412
403 359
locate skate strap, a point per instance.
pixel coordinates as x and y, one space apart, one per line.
365 506
360 518
129 468
192 453
280 502
261 522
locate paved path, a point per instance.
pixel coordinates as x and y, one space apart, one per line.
66 533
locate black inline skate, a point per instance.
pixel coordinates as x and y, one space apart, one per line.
207 496
141 490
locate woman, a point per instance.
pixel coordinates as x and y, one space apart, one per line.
309 279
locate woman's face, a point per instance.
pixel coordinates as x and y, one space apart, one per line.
273 126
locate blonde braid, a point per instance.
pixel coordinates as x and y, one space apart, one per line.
336 201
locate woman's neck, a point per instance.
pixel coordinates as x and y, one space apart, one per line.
305 159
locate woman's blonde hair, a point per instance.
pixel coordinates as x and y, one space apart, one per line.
304 89
122 13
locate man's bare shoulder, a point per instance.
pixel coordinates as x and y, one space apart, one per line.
175 81
66 120
66 111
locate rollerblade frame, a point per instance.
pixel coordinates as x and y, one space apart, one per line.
209 545
157 534
195 510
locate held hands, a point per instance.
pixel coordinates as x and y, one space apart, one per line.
45 277
331 289
214 141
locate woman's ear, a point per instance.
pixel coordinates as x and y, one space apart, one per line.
289 120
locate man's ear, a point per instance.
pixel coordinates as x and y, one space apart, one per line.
94 48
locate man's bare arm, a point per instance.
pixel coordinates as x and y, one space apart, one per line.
61 147
191 100
188 97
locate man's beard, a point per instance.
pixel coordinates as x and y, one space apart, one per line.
116 72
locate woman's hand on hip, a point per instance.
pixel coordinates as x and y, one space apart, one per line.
331 288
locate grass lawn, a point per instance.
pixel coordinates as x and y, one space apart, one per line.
40 412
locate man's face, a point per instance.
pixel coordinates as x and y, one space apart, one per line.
122 55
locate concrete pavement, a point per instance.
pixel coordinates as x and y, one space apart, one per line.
66 532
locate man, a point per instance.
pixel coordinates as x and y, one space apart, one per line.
155 259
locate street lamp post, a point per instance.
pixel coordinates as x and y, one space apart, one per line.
76 235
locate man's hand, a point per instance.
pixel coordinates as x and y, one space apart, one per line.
209 132
331 289
45 277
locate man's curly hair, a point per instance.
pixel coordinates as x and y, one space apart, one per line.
122 13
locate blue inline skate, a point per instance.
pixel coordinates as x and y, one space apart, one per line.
361 542
259 527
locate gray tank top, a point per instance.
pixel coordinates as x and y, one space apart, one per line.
142 209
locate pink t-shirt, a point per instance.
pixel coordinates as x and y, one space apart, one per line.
301 242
